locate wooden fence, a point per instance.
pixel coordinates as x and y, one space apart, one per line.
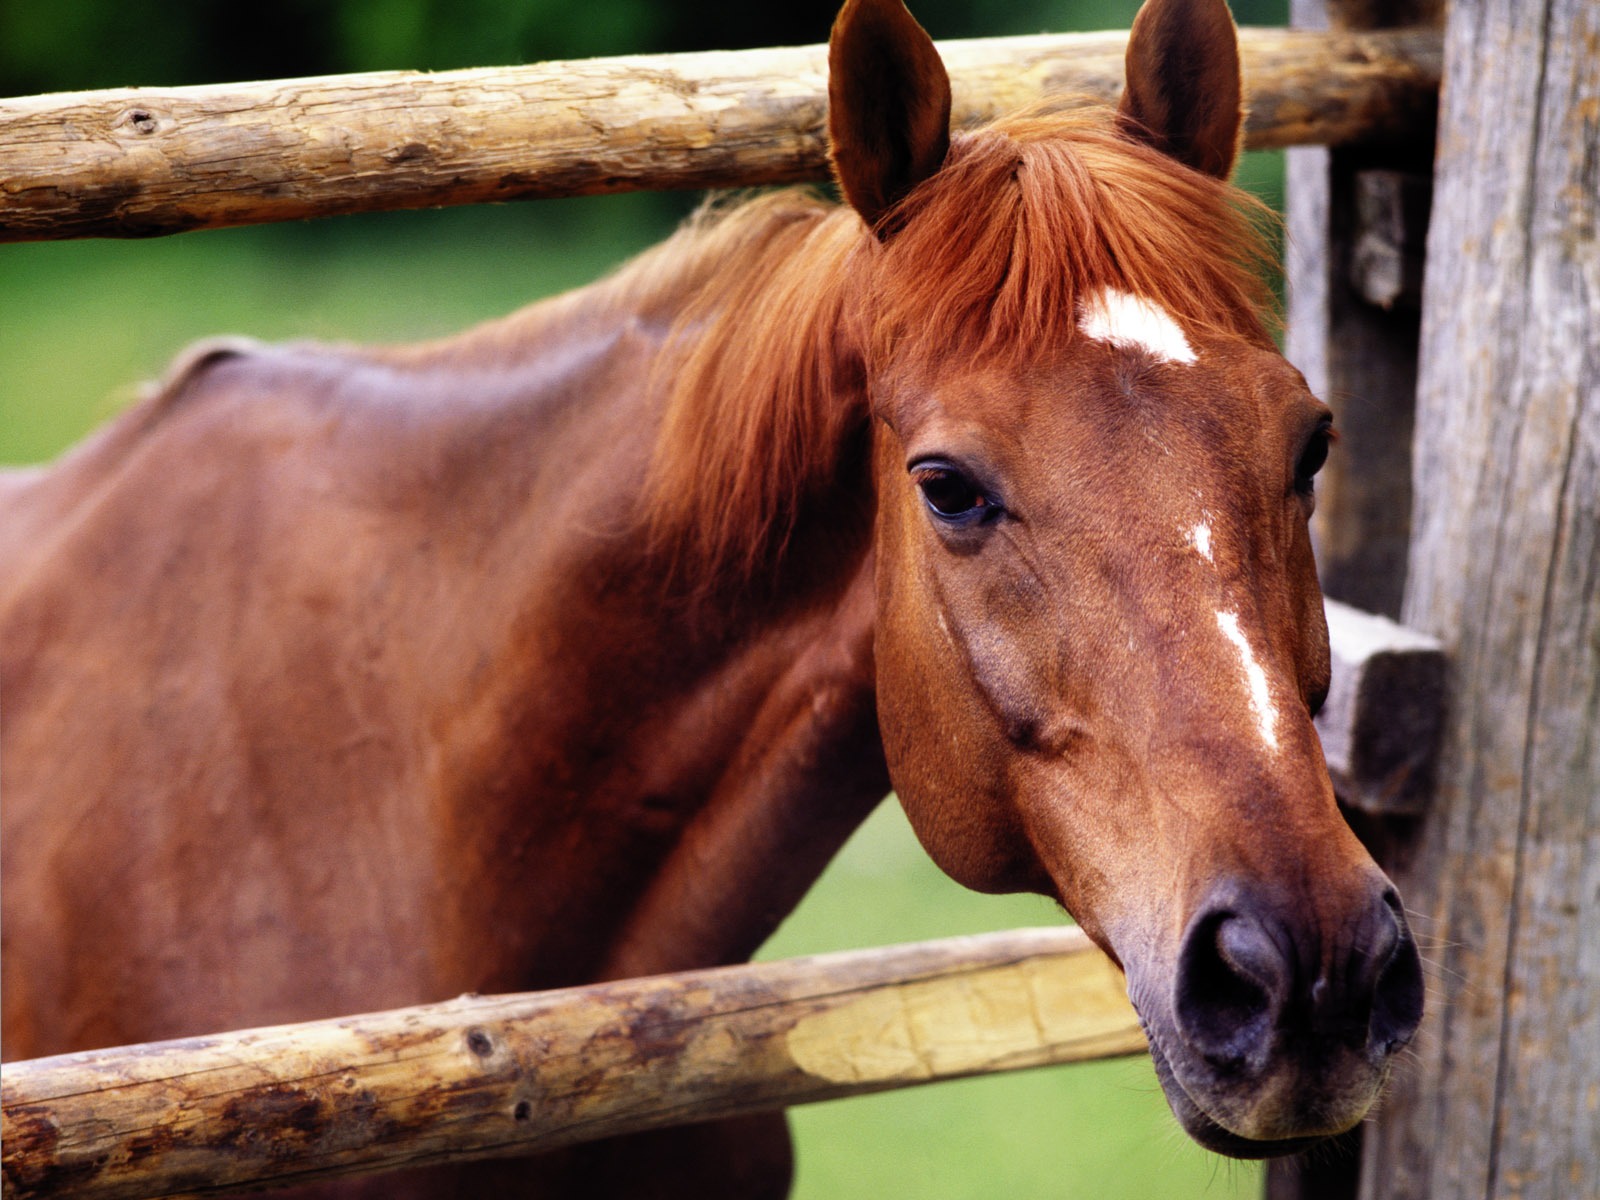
1467 501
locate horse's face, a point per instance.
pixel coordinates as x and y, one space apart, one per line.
1100 642
1096 586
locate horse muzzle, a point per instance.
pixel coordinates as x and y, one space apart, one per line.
1272 1034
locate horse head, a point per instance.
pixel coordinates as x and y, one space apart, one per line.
1100 638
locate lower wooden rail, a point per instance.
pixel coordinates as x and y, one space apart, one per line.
483 1077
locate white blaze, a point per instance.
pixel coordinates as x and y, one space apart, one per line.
1255 679
1200 539
1134 323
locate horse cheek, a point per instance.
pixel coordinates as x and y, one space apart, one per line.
948 762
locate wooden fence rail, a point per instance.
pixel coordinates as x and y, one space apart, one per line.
133 163
484 1077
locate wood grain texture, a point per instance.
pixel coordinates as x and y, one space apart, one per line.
1363 361
140 162
1360 358
1504 1098
485 1077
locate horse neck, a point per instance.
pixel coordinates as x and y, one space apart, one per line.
719 728
708 755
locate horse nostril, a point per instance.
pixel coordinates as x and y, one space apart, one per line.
1244 983
1375 997
1231 979
1397 991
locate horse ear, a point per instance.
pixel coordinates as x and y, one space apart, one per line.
1183 93
888 106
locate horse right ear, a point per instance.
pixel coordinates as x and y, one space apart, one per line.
888 107
1183 93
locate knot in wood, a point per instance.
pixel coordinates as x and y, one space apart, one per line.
410 152
140 121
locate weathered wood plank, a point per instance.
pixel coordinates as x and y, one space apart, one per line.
1504 1098
1363 361
496 1076
1391 233
1360 358
139 162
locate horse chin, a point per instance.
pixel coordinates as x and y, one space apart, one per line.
1205 1130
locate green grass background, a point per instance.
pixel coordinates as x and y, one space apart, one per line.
81 324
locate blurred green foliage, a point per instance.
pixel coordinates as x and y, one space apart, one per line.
70 45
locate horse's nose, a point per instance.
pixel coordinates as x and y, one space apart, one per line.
1247 979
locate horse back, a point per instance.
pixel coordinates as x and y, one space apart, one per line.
230 634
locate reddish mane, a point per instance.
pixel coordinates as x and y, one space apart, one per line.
1026 216
762 394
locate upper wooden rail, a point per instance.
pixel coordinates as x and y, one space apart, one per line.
146 161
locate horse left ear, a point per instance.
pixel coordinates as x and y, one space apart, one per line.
1183 92
888 106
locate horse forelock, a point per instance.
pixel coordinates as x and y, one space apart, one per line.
1033 217
784 304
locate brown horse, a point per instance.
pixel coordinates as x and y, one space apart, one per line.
572 647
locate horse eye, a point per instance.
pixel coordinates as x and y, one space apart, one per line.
1313 457
950 495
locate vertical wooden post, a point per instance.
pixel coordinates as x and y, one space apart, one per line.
1356 219
1504 875
1353 213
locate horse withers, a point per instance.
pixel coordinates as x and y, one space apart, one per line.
572 647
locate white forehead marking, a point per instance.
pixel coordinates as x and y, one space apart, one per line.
1134 323
1200 539
1255 679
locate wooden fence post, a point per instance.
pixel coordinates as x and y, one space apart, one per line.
1503 1099
1356 220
